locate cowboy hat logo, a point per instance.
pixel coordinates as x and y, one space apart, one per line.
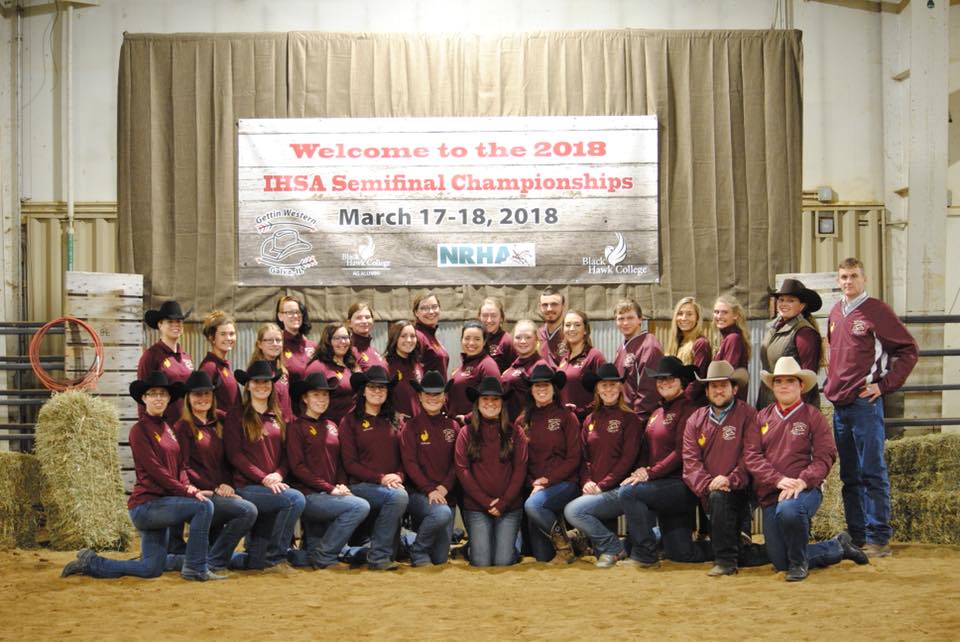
281 244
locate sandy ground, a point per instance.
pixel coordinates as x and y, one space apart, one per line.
913 595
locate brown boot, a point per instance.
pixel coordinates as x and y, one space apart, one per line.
561 543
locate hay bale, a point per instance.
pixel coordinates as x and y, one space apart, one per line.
21 514
929 517
82 491
829 520
925 463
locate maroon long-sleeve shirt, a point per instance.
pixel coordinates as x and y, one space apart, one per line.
468 375
432 353
370 448
733 350
313 450
252 461
282 388
405 399
702 356
610 439
499 345
203 454
553 444
662 450
640 351
227 390
364 352
297 352
488 477
515 384
177 365
575 369
869 344
427 444
552 348
798 444
342 398
711 449
157 462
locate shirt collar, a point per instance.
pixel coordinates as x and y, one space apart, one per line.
716 416
850 306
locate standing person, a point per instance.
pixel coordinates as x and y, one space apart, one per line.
162 495
269 347
655 492
221 332
427 442
497 342
166 355
610 439
200 435
553 305
580 358
871 354
788 459
370 446
405 367
515 378
475 364
712 467
292 316
730 320
639 351
360 320
254 442
426 310
491 461
793 333
553 463
688 342
334 358
332 512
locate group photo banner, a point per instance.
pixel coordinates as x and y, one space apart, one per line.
448 201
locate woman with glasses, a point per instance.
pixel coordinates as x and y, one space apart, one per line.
269 347
426 310
334 359
297 348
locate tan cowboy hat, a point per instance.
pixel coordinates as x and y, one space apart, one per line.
788 367
720 370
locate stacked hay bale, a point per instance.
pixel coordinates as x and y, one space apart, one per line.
82 492
21 515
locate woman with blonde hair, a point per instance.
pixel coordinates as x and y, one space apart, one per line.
730 319
497 342
688 342
221 332
515 378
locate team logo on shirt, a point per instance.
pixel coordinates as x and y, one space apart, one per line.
466 371
188 363
157 436
199 435
764 428
449 435
668 418
613 426
287 354
858 327
364 357
494 350
225 372
729 433
701 440
590 427
365 424
309 350
629 360
339 375
798 429
166 363
425 438
332 429
553 424
313 430
399 376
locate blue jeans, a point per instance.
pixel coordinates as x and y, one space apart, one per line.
272 533
433 524
670 502
153 520
233 517
389 506
589 512
786 531
543 509
328 522
858 429
492 539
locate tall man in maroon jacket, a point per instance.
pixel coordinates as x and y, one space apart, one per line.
553 305
871 354
639 350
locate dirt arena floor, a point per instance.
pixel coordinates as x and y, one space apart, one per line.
913 595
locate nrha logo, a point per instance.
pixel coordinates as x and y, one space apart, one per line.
491 254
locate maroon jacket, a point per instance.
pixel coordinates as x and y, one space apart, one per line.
157 462
370 448
313 449
204 458
468 375
610 439
488 478
342 399
710 449
695 390
574 392
553 444
662 450
297 352
798 445
640 391
227 389
515 384
862 345
176 365
427 445
364 352
282 388
405 399
254 461
552 348
500 346
733 350
432 353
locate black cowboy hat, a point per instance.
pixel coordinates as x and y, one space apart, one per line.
198 381
313 381
793 287
542 373
155 379
670 366
258 371
168 310
432 383
489 387
606 372
374 374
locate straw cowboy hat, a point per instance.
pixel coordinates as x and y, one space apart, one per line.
722 370
788 367
793 287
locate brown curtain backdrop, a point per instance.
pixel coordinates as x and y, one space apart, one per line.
728 102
